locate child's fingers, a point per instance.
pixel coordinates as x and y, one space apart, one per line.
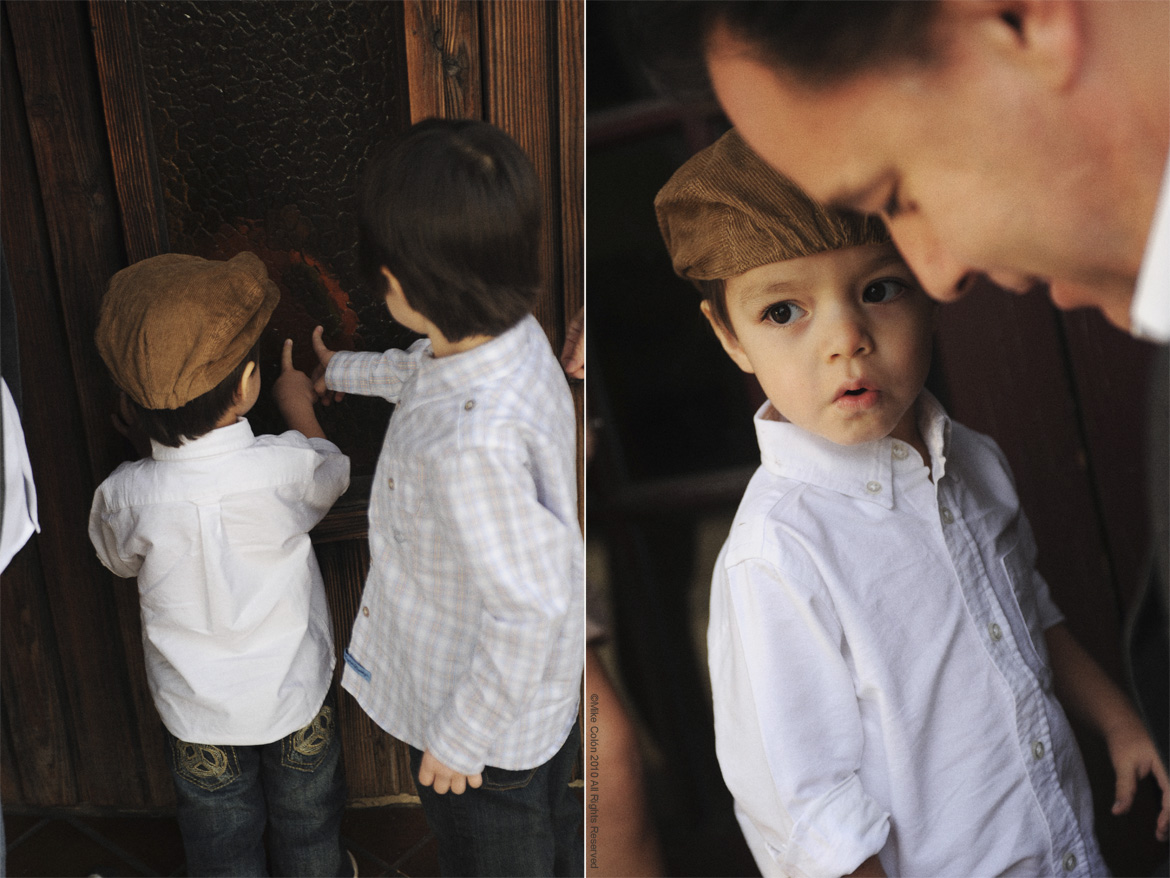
286 356
319 348
1124 793
1163 828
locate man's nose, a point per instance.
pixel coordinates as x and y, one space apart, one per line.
944 277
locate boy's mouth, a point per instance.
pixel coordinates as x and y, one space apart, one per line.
856 396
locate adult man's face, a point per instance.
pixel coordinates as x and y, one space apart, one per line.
980 162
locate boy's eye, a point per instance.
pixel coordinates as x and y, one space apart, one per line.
783 313
886 290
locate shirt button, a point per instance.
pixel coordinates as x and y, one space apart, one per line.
1070 862
1038 749
365 611
995 631
873 487
469 405
901 452
390 484
947 516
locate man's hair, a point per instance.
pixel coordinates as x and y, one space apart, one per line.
199 416
822 43
452 209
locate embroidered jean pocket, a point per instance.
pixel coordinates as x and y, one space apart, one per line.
507 779
305 749
206 766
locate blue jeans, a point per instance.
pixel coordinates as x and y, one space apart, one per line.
294 787
519 823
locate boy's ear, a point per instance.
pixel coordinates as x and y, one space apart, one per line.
727 339
246 380
392 284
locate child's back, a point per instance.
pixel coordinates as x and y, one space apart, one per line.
215 526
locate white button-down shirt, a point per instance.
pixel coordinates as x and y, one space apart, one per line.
879 668
236 630
470 638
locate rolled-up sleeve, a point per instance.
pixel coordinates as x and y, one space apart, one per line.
788 728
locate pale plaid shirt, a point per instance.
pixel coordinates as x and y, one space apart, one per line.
470 637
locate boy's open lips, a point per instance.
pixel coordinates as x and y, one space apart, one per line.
856 397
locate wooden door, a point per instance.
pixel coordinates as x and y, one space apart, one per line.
209 128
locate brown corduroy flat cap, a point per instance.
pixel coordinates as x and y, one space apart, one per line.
172 327
725 212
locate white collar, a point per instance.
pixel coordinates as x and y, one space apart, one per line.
864 471
1150 312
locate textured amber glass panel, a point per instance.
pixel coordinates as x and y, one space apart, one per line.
263 116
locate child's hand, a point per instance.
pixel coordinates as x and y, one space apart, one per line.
433 773
324 355
1134 756
573 353
295 396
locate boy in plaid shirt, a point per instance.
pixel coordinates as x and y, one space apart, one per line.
469 642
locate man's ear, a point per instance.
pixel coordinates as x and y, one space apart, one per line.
1044 37
249 375
727 338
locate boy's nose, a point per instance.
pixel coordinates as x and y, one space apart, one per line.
848 336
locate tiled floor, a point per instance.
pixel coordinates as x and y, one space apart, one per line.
388 841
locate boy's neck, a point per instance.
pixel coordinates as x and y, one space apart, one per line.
440 347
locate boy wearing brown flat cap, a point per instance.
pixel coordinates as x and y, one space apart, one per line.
215 524
885 659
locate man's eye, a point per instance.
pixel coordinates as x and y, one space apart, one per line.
783 313
893 206
881 291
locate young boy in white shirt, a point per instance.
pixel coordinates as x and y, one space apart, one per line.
885 660
215 525
469 644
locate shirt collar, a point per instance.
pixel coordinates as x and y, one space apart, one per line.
1150 311
459 371
233 437
866 471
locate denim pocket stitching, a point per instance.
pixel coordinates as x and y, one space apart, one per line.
206 766
514 783
305 749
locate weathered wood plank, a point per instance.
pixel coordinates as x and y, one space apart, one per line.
67 406
518 98
128 128
442 59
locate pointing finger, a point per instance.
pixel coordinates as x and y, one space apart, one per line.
286 364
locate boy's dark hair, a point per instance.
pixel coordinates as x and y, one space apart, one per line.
199 416
822 43
452 209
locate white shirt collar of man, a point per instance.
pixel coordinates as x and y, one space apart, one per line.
1150 312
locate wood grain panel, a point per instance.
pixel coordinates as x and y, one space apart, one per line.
1111 371
518 98
34 724
442 59
128 127
67 406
